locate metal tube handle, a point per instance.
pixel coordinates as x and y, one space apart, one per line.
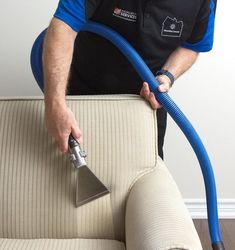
77 155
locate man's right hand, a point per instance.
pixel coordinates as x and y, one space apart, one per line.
61 122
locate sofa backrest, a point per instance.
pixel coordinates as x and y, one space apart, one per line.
37 182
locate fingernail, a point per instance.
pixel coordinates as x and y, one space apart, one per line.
160 88
62 150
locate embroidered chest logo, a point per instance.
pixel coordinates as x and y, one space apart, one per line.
125 14
171 27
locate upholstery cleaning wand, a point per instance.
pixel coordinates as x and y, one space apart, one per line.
88 187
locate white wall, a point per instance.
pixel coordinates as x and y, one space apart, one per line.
207 96
205 93
20 24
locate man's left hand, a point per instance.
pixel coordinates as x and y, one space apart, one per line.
149 96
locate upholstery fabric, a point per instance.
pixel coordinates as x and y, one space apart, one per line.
156 216
37 182
71 244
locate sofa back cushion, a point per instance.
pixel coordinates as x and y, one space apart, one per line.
37 182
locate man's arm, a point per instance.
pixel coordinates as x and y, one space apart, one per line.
57 58
178 62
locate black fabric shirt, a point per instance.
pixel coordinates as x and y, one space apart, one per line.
155 28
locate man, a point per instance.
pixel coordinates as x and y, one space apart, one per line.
167 34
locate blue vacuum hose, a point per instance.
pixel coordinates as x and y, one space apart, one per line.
167 103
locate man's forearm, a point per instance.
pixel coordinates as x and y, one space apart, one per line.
57 57
177 63
180 61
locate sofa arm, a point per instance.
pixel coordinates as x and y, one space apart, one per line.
156 217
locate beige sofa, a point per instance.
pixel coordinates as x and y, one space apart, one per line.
144 211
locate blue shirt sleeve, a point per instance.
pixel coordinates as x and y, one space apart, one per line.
206 42
72 12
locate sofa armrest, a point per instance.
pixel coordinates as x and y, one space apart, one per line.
156 217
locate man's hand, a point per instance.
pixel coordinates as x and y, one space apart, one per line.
149 96
60 122
179 61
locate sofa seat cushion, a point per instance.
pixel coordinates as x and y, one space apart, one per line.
59 244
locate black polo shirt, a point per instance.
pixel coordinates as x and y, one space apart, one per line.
155 28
